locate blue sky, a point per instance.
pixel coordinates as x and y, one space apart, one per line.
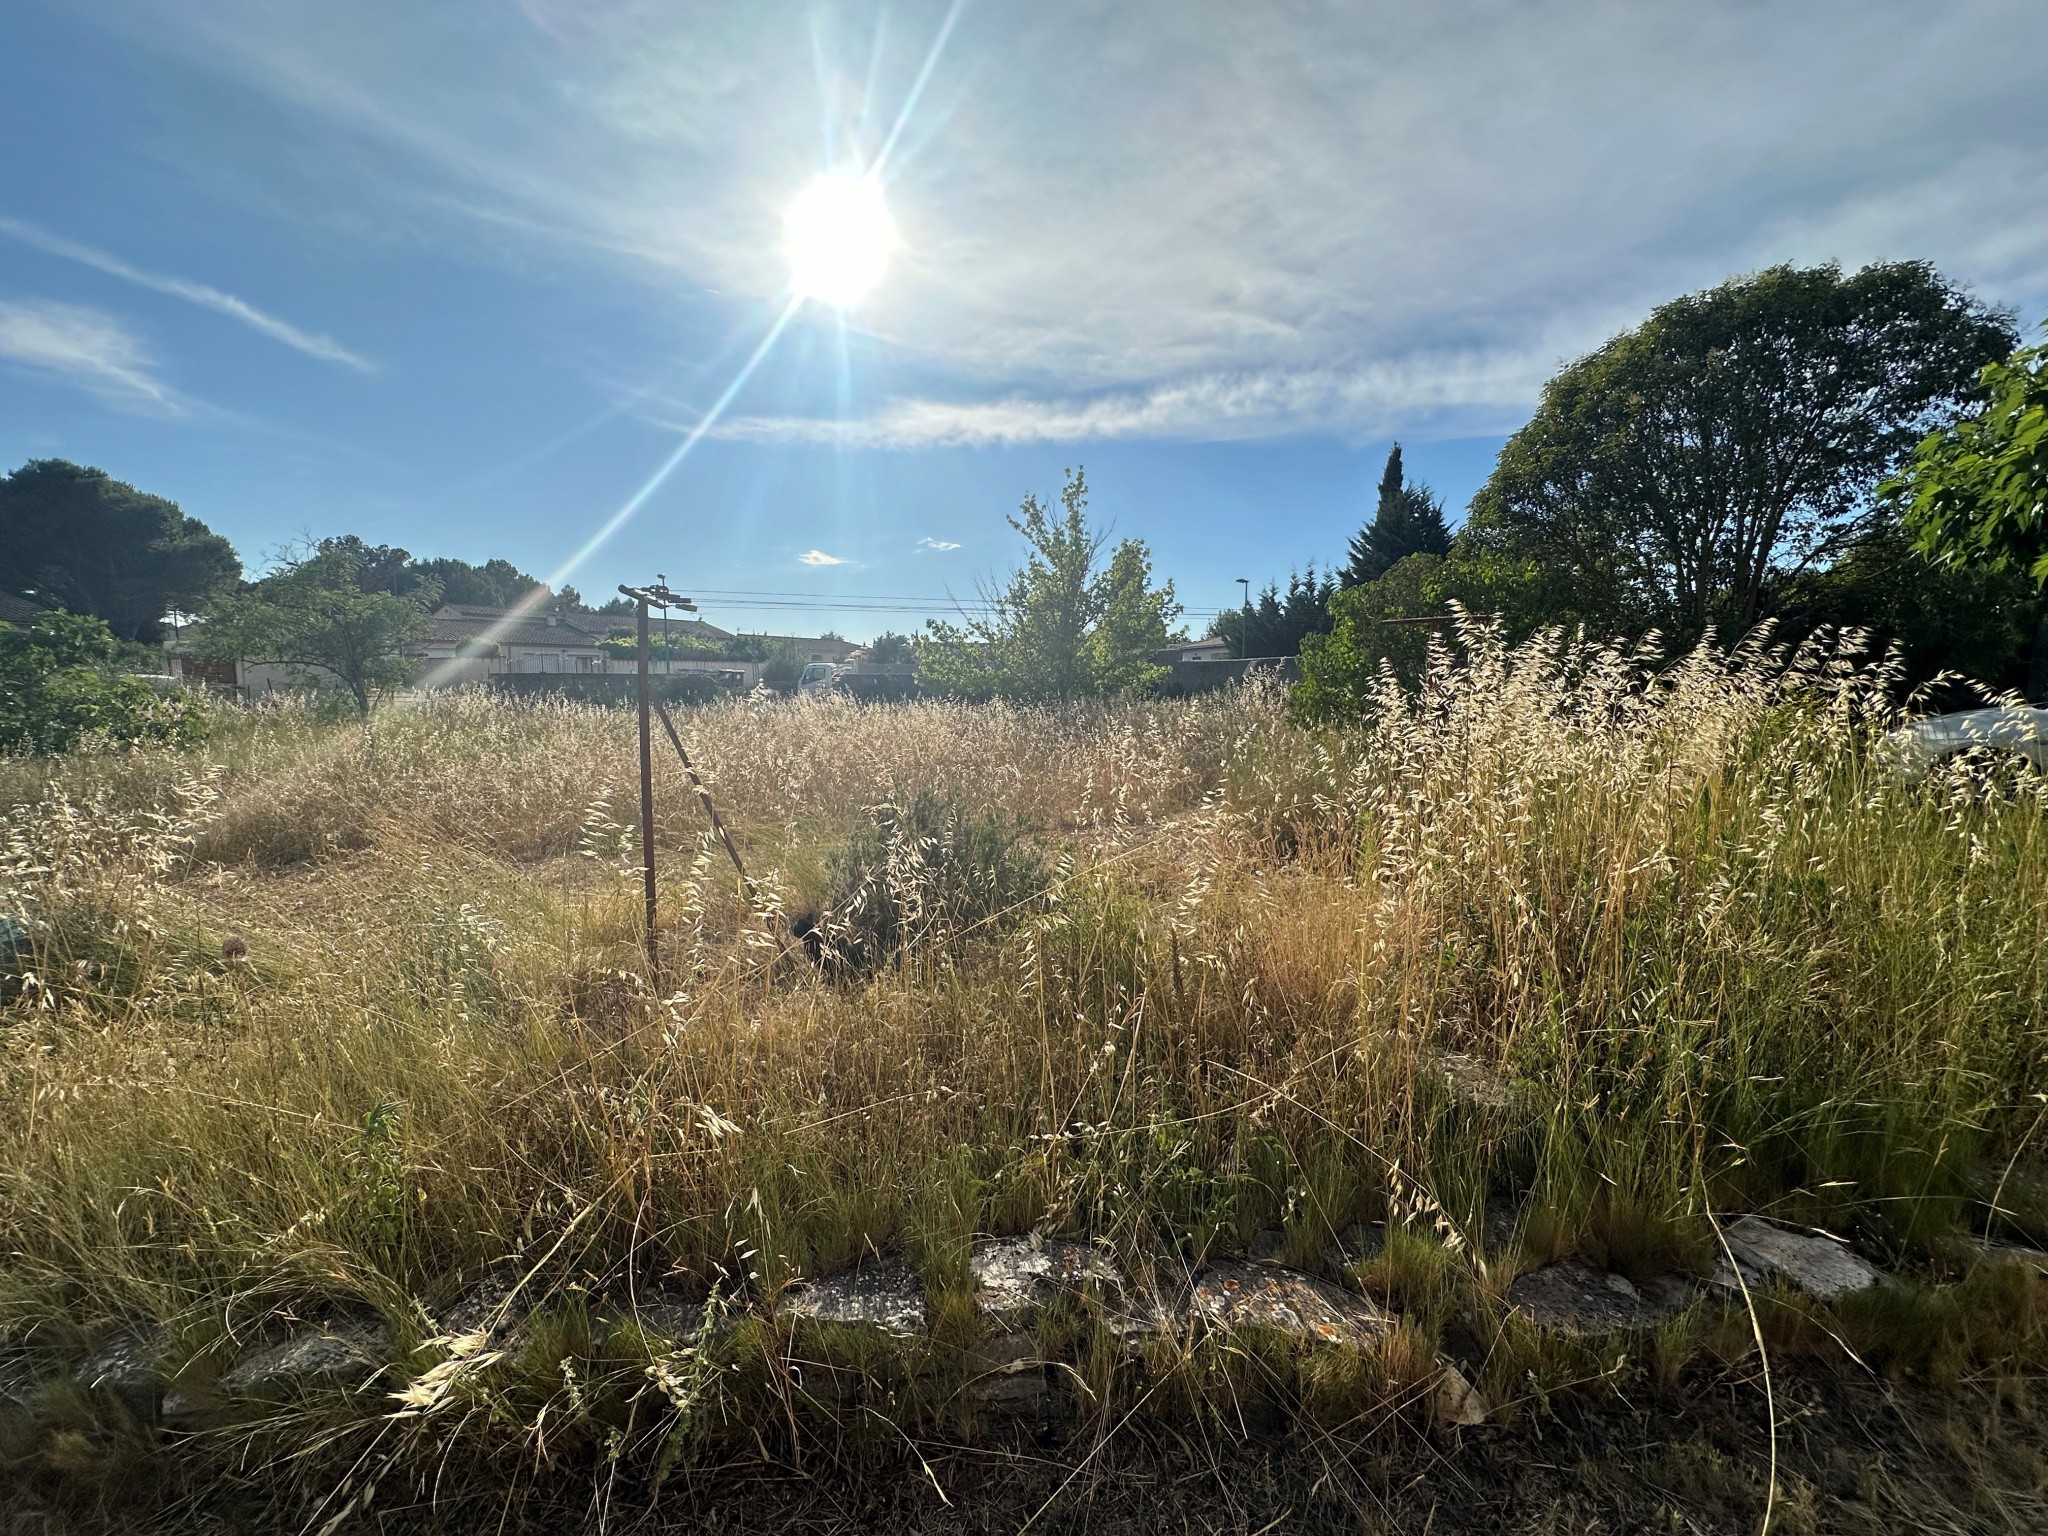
463 276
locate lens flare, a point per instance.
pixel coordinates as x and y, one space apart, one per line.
839 238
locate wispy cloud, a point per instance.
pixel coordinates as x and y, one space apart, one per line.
819 557
940 545
1463 392
322 347
82 346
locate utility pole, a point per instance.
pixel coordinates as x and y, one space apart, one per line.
642 597
1244 635
668 657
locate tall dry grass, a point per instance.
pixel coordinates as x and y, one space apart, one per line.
1703 952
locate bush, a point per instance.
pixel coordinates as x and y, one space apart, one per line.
59 689
929 869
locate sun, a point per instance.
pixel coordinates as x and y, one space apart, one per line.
839 237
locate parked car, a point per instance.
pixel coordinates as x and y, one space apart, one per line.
2013 730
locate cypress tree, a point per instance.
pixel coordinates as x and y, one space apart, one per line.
1408 520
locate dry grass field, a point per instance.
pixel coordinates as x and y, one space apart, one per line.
1566 955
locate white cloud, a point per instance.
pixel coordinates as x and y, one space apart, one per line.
1193 218
939 545
82 346
819 557
194 293
1465 393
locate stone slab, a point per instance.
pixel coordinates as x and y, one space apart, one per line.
1808 1261
1575 1298
1232 1294
127 1364
344 1355
1014 1275
1356 1244
884 1296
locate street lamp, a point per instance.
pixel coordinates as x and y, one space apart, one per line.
1244 635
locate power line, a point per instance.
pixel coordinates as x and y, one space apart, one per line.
832 599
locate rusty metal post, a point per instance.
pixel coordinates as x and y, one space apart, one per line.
647 793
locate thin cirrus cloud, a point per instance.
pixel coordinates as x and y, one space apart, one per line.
1470 392
82 346
939 545
819 557
322 347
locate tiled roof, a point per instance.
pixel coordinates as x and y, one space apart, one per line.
460 624
622 624
19 610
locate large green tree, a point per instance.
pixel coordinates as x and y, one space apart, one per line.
1064 626
1976 492
323 612
1407 519
1734 437
80 539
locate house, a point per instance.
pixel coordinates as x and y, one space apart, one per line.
1212 648
468 644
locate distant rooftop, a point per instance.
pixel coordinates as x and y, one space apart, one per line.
461 624
15 609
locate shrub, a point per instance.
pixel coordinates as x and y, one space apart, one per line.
59 689
930 868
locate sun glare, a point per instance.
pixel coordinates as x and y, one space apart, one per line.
839 238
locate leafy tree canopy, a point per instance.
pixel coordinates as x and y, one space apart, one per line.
494 584
1732 438
1408 519
1369 643
1063 626
892 649
85 541
1976 492
59 689
326 611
